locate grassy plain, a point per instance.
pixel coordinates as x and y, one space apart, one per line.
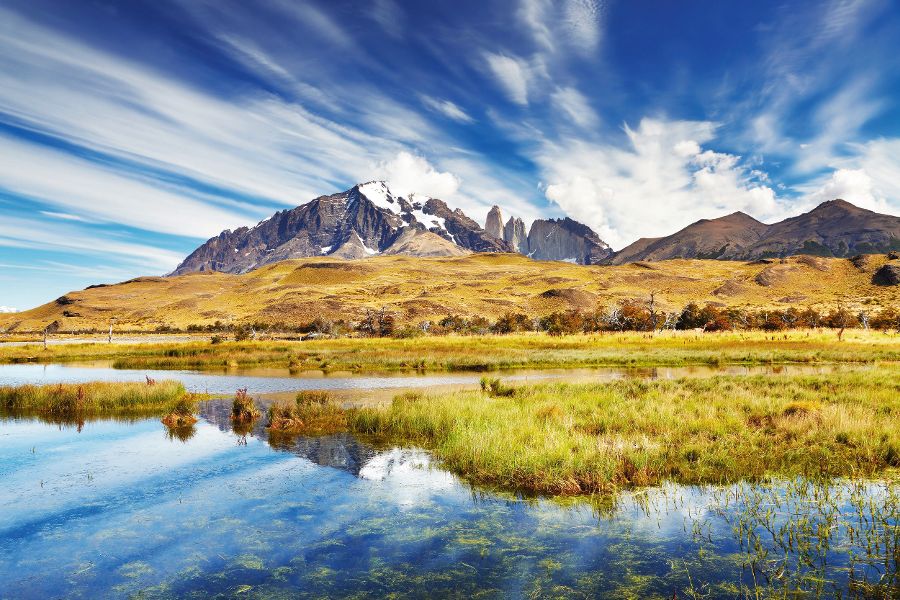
294 292
568 439
490 352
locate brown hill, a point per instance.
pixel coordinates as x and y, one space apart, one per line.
834 228
417 289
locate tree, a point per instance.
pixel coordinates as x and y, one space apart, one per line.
50 329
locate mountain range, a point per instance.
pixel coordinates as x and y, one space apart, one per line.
834 228
369 220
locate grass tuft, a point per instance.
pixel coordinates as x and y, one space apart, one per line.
243 408
565 439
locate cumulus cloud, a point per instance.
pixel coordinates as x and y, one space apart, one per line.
407 173
8 309
852 185
660 181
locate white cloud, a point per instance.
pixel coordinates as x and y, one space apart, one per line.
575 106
563 24
407 173
8 309
661 182
869 178
512 74
582 18
84 187
389 15
852 185
42 236
447 108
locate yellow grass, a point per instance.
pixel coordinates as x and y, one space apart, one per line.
629 349
417 289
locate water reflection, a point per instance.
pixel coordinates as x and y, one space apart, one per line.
119 510
271 380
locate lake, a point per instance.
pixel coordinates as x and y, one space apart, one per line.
112 509
274 380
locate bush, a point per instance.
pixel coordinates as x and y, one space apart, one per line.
243 409
492 386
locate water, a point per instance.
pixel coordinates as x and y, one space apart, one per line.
263 380
117 509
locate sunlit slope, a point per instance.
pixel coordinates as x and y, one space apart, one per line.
417 289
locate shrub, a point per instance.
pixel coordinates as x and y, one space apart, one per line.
492 386
243 409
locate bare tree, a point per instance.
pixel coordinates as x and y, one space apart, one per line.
49 329
671 321
651 306
864 319
613 318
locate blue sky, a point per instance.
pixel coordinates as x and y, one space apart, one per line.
130 132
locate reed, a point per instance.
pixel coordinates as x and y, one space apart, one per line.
243 408
311 413
92 399
572 439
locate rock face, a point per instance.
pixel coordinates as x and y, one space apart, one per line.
834 228
363 221
368 219
566 240
514 235
493 225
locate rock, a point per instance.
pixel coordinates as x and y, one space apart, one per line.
514 235
493 225
566 240
887 275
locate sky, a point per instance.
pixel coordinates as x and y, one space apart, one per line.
132 131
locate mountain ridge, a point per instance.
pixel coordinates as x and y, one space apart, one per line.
833 228
369 219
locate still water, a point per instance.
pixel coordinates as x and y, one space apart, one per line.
117 509
270 380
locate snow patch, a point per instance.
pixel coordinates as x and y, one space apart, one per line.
378 194
574 261
326 249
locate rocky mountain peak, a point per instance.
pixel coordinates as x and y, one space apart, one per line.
493 225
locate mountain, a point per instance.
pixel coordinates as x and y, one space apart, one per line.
363 221
369 219
834 228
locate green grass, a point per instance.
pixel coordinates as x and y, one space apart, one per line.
571 439
98 399
311 413
459 353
